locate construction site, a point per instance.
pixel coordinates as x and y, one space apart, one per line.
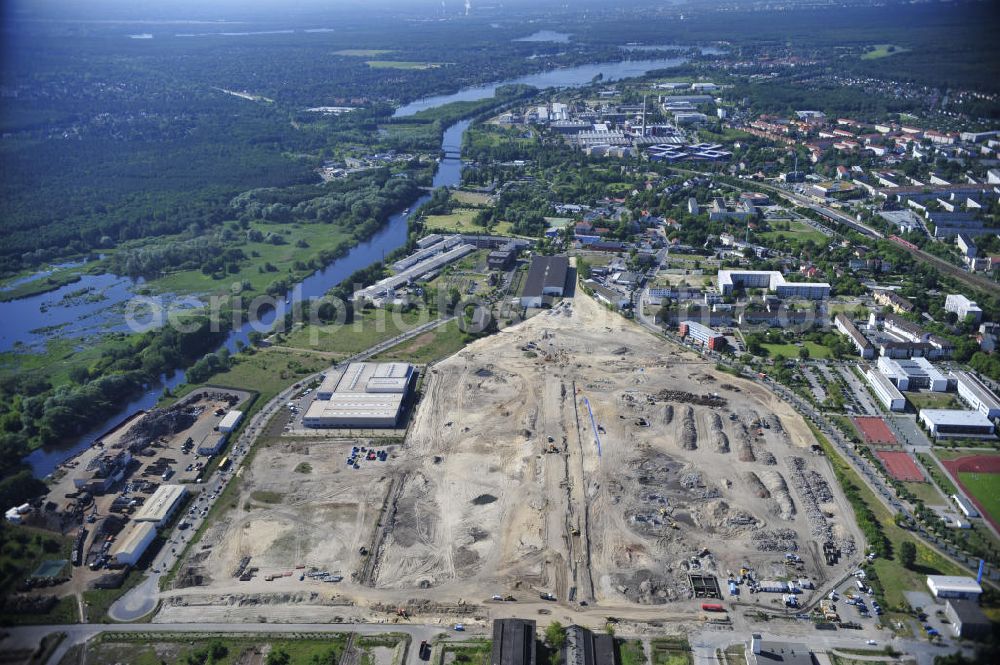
573 457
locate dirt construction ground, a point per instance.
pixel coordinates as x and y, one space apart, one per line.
503 486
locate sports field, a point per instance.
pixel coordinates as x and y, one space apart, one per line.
979 478
874 431
900 465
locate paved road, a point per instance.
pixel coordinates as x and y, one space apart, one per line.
143 599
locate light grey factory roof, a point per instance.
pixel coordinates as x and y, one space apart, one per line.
158 506
955 417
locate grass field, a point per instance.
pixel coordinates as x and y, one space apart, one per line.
798 231
937 475
630 652
139 650
267 371
926 493
369 328
985 487
283 257
435 344
468 653
931 400
44 284
460 221
670 652
471 198
883 51
402 64
946 454
791 351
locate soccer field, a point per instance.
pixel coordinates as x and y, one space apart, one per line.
985 487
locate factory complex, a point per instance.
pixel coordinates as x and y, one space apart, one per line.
362 394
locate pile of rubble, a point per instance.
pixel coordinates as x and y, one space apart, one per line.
775 540
689 434
158 423
756 486
683 397
812 490
776 484
718 435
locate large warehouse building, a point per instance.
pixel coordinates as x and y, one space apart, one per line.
943 423
132 543
954 586
546 277
513 642
362 395
162 505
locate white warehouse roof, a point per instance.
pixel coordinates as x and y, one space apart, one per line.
230 420
131 545
954 584
158 507
954 417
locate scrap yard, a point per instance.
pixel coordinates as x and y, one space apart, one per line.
542 463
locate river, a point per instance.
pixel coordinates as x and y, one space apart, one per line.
389 238
565 77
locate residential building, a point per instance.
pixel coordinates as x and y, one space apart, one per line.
967 245
975 393
954 586
963 307
908 331
891 299
513 642
846 326
693 205
771 280
546 277
949 423
704 335
885 391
